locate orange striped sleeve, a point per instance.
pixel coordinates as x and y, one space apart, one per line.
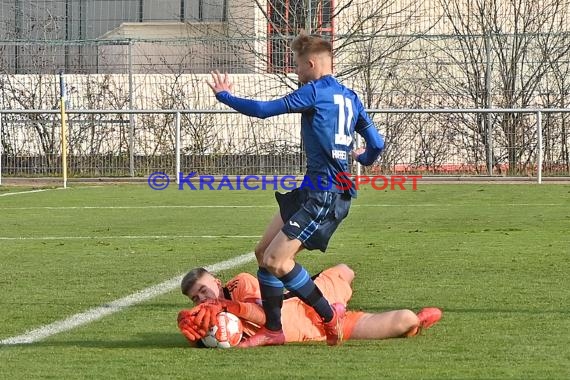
244 288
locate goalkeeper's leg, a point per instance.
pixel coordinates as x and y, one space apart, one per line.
390 324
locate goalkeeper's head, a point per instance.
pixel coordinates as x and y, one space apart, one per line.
313 57
200 286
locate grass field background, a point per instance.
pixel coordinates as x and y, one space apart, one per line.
495 258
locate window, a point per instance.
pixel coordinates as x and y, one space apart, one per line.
286 19
183 10
204 10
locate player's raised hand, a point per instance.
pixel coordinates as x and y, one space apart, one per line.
220 82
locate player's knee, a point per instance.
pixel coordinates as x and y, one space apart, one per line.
270 263
274 265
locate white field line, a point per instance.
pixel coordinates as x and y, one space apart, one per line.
26 192
257 206
42 190
131 207
134 237
99 312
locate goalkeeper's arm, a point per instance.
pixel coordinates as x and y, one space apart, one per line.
249 311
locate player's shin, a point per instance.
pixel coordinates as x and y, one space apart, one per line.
301 285
272 298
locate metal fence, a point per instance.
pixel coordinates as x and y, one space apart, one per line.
112 143
454 90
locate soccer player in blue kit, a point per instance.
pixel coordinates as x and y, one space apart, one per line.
309 215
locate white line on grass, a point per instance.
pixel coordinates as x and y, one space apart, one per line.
99 312
26 192
131 207
129 237
42 190
255 206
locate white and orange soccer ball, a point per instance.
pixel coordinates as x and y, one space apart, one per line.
226 333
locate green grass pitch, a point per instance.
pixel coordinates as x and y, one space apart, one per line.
495 258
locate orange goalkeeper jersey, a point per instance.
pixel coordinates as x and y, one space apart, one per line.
300 322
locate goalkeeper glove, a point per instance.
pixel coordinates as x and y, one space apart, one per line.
189 326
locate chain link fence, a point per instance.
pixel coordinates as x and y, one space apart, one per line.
104 143
399 55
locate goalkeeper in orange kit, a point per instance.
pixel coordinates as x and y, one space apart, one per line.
241 296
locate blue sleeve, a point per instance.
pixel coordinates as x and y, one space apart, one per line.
374 146
374 141
255 108
302 99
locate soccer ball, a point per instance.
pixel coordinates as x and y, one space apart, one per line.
226 333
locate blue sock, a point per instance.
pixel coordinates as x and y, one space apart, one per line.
272 298
301 285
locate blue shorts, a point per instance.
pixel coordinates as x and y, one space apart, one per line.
312 216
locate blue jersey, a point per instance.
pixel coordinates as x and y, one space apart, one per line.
331 113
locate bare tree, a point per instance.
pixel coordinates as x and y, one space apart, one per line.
505 50
554 92
97 141
368 43
372 54
33 92
486 53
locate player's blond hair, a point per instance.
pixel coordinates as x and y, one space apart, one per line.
304 45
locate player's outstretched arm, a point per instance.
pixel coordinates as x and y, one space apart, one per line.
222 88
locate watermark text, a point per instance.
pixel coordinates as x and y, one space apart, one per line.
342 181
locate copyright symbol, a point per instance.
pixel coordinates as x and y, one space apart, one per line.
158 181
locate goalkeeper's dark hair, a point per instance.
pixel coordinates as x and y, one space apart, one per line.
304 45
190 279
